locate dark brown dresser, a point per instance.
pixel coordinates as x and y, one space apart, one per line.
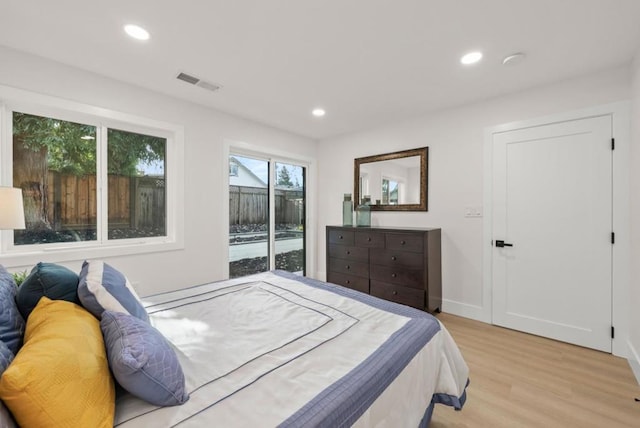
398 264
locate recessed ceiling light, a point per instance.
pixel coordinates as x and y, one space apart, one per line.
318 112
136 32
471 58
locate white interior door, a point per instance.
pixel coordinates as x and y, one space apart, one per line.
552 200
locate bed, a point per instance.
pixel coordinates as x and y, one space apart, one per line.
276 349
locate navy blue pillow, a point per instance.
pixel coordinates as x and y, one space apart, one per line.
47 279
11 322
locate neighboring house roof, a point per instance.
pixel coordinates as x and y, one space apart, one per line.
246 170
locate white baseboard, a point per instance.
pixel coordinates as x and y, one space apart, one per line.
465 310
634 361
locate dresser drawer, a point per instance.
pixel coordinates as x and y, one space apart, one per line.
349 267
397 258
404 242
400 265
350 281
369 239
398 275
341 237
349 253
399 294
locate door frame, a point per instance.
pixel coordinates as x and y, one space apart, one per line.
620 114
277 156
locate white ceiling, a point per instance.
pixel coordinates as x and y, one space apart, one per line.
365 61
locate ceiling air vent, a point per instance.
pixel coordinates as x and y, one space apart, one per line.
189 79
200 83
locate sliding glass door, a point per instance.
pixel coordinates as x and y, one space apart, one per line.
289 217
248 215
266 215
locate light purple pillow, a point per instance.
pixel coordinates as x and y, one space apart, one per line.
6 357
6 419
142 360
11 322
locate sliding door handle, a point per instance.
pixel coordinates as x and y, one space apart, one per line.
503 244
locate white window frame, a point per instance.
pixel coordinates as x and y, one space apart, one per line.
12 99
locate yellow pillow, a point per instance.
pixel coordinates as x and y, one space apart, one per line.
60 377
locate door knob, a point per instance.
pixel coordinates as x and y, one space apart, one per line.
503 244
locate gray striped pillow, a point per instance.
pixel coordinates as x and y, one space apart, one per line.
103 288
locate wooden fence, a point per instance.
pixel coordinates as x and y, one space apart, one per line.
250 205
139 202
136 202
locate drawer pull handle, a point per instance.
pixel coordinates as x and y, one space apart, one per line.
348 252
340 237
348 267
348 281
369 239
393 275
394 258
402 242
395 292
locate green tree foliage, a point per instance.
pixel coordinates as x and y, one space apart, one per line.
71 147
284 179
67 151
127 149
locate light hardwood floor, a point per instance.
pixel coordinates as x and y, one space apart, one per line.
521 380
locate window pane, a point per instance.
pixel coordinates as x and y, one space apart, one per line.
385 191
248 216
137 195
289 212
390 190
393 192
54 163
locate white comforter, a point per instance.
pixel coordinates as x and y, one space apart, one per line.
255 350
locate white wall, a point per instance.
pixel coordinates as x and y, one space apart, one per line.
455 139
203 258
634 286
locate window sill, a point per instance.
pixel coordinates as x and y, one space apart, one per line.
85 252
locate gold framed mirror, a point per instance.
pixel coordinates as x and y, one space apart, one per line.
393 181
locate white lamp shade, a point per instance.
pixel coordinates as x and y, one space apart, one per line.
11 208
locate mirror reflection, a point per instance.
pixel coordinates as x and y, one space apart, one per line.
393 181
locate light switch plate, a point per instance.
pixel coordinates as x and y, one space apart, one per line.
471 212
